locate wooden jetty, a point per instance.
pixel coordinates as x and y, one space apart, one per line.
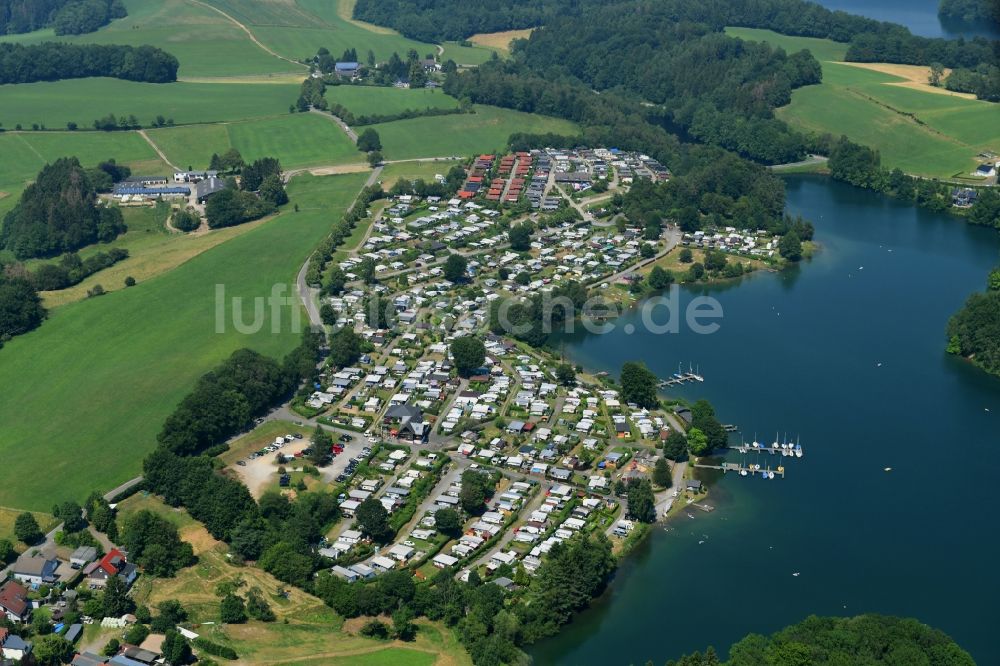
739 468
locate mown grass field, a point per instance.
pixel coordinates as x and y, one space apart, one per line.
297 140
463 134
205 42
297 29
86 393
25 153
55 103
468 56
362 100
920 132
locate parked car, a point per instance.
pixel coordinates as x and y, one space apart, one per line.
346 438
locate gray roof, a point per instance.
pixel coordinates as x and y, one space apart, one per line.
87 553
88 659
209 186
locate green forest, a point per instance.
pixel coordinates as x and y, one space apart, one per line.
65 17
864 640
53 61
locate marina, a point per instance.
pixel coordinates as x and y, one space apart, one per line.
681 377
752 469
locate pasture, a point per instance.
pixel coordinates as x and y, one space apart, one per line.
55 103
363 100
485 130
920 132
25 153
205 42
87 392
297 140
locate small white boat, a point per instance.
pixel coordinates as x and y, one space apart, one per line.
770 475
887 469
796 573
743 472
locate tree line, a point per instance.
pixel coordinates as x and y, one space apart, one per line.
54 61
65 17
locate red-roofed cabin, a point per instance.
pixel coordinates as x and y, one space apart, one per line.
466 194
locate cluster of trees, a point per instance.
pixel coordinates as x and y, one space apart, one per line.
982 81
640 500
53 61
66 17
969 11
154 544
226 400
534 319
974 331
59 213
468 352
185 220
260 192
863 639
72 270
639 385
20 306
230 162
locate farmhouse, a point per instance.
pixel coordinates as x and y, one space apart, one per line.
206 188
35 570
112 564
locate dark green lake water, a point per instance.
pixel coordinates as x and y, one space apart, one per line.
798 352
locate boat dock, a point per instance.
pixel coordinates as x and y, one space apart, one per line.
788 451
747 470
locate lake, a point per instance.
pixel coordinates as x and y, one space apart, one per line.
798 352
920 16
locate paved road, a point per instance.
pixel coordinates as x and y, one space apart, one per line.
310 295
673 239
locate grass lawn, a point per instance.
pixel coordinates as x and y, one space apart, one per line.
918 131
54 103
297 140
87 392
362 100
415 170
205 42
486 130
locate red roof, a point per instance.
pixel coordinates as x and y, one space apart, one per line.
14 598
529 426
466 194
475 179
112 562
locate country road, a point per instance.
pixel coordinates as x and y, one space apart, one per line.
310 295
812 160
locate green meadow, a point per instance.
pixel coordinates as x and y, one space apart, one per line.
86 393
297 140
440 136
468 56
362 100
25 153
920 132
415 170
205 42
82 101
